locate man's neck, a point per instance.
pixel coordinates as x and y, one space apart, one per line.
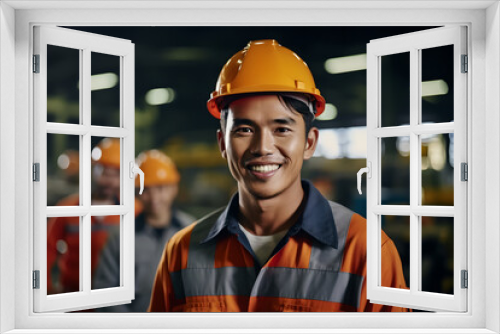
273 215
159 219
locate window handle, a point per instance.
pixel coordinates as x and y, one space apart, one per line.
368 171
134 169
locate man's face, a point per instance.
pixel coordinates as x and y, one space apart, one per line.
265 145
158 198
107 181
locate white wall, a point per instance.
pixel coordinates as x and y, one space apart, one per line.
7 159
492 150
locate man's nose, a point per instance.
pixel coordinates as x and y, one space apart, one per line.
262 143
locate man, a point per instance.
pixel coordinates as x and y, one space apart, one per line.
63 233
153 228
279 245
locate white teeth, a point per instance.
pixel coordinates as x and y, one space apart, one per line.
264 168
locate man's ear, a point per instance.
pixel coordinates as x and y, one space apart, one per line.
311 142
222 143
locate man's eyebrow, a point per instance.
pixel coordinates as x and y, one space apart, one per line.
242 121
246 121
285 121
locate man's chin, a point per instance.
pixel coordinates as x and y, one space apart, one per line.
264 192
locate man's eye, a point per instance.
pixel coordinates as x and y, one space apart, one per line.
283 130
243 130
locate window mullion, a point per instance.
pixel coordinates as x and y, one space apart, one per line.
415 252
85 167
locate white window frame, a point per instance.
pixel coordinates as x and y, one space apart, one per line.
483 21
413 44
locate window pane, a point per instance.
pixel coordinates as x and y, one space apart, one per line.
437 169
395 170
63 255
395 81
63 74
398 229
106 160
437 84
105 242
63 169
437 254
105 85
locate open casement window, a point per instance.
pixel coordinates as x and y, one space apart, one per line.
74 227
415 160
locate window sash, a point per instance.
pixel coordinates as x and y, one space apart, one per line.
413 43
87 43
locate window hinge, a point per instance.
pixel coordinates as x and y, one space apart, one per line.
465 64
464 171
36 172
36 279
465 279
36 63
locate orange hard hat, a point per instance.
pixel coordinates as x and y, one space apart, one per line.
107 152
158 169
264 66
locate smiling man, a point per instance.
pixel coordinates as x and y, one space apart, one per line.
279 245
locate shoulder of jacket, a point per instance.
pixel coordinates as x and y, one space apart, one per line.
356 233
182 237
339 208
210 218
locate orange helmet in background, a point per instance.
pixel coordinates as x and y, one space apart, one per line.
264 66
158 169
107 153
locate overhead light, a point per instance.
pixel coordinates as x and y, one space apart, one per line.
329 113
103 81
434 87
346 64
160 96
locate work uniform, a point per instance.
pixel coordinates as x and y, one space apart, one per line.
149 245
320 265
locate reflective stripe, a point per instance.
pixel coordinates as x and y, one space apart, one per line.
324 257
297 283
202 256
225 281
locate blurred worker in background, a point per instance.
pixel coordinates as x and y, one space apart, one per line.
63 233
279 245
158 222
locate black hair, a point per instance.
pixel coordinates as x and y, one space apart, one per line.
289 102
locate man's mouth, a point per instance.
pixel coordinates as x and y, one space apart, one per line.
264 168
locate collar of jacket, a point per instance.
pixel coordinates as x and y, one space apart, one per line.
316 219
